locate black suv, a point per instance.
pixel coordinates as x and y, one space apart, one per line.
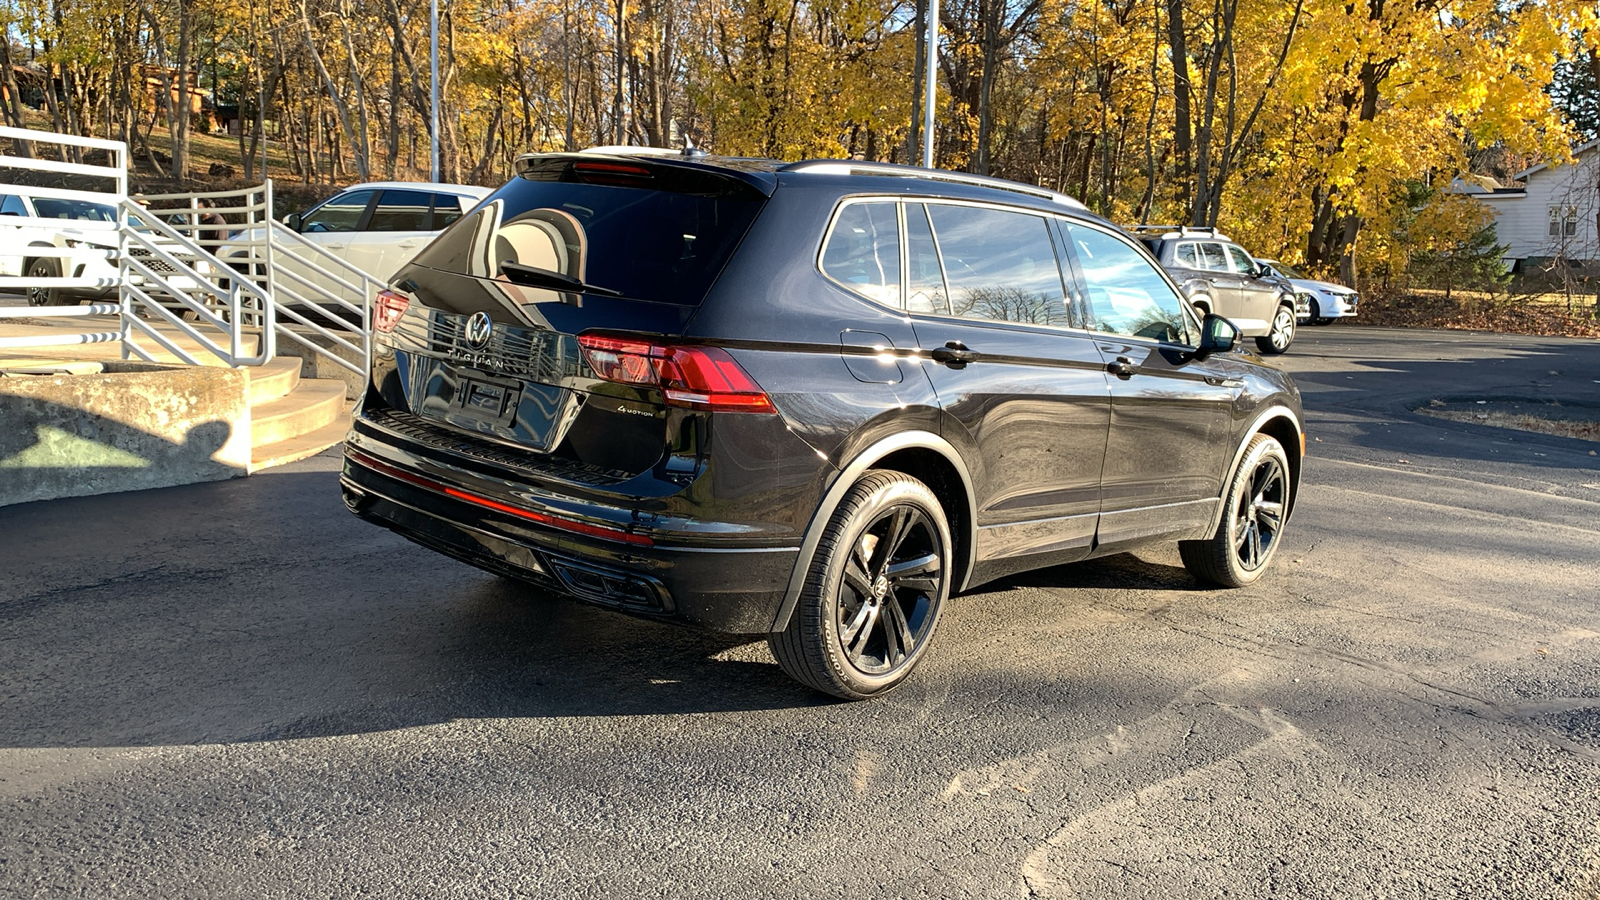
808 400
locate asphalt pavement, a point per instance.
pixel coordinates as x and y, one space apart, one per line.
240 690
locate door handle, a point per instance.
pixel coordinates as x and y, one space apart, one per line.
954 354
1122 368
333 246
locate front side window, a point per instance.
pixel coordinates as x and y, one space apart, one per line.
342 213
863 251
1126 294
999 265
1241 261
401 211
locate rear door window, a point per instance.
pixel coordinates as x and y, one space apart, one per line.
925 288
862 251
1212 259
999 264
401 211
446 209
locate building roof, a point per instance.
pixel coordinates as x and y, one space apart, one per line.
1576 151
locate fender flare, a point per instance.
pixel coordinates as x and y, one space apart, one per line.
1276 412
844 481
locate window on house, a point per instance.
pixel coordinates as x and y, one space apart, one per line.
1563 221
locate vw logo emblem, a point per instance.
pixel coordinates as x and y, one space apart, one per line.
478 328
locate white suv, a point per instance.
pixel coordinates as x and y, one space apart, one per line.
376 227
20 228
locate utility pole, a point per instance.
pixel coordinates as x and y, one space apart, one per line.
433 105
932 69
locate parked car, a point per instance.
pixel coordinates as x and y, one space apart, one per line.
375 227
1218 275
1323 301
810 401
23 215
29 221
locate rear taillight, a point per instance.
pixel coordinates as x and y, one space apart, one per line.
387 309
692 377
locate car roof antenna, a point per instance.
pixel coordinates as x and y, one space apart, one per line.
689 149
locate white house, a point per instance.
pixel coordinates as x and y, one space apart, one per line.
1552 213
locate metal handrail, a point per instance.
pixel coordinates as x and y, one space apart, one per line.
169 263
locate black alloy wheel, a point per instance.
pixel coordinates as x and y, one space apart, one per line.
1257 506
872 598
1282 334
45 296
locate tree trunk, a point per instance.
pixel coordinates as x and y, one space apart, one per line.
341 109
1182 130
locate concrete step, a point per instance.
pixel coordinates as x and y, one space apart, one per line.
273 380
299 447
310 406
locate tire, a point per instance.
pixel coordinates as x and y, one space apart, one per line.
873 594
1254 511
1282 334
45 267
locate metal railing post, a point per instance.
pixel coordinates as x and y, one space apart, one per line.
269 316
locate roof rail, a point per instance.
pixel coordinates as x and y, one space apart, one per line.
892 170
1177 230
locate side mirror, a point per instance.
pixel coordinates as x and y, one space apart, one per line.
1217 335
293 221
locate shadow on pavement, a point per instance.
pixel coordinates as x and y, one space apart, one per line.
261 609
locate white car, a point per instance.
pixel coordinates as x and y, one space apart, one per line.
376 227
28 221
1326 301
28 218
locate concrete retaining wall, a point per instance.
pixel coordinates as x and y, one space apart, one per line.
135 426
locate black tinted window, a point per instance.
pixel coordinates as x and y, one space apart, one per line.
401 211
1126 294
446 209
53 208
999 265
649 232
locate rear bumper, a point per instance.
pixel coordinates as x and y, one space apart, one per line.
584 553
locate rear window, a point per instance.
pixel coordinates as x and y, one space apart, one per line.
650 232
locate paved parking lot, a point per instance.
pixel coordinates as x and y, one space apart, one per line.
238 689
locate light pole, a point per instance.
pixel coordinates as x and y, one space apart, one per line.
433 104
932 76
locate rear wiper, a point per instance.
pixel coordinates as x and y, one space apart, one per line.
533 276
